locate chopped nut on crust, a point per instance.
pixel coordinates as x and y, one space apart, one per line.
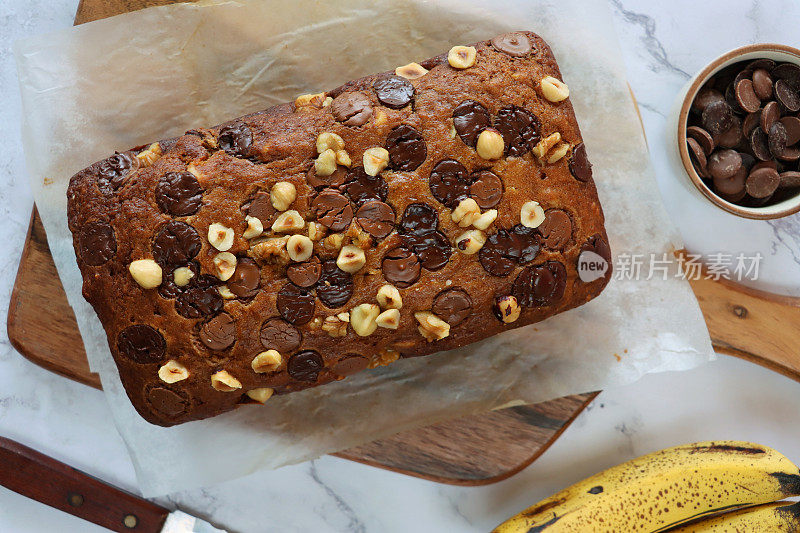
431 326
268 361
261 394
172 372
224 382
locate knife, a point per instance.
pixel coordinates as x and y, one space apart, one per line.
58 485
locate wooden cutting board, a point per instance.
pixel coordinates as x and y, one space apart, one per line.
472 450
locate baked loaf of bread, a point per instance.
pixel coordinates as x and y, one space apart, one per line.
398 215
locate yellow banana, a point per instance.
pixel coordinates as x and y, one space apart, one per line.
775 517
664 489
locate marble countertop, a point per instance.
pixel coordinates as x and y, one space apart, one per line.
663 43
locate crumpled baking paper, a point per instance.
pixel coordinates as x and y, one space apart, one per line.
153 74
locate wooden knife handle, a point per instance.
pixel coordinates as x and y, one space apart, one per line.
53 483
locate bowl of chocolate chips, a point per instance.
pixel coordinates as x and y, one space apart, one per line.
739 131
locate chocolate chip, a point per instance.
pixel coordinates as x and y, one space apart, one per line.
361 187
789 179
787 96
96 242
732 136
762 84
515 44
352 109
406 147
179 194
556 229
761 64
141 344
167 402
335 180
789 154
400 267
431 247
115 170
245 279
777 139
175 243
335 286
769 115
724 164
732 186
305 366
702 137
750 123
470 118
350 364
419 218
579 164
792 125
746 96
705 97
377 218
452 306
393 91
759 144
261 208
717 117
235 139
332 210
788 72
305 274
762 182
449 182
200 298
168 289
698 157
296 304
519 128
599 245
277 334
506 249
486 188
219 333
542 285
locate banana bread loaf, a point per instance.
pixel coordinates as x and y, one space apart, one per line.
398 215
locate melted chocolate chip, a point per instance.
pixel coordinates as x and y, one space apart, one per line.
167 403
260 207
361 187
96 242
305 366
598 245
541 285
486 189
519 128
556 229
449 182
452 306
179 194
579 164
350 364
246 278
235 139
335 180
470 118
219 333
406 147
515 44
393 91
277 334
335 286
200 298
431 247
507 248
296 304
352 109
116 169
400 267
377 218
419 218
305 274
332 210
141 344
175 243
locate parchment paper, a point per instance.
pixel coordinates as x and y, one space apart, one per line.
152 74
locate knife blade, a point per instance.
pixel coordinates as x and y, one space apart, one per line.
58 485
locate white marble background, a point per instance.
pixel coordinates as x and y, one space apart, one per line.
663 43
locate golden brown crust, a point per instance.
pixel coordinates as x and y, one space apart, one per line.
283 148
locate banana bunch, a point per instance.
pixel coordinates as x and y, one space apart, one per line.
672 487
